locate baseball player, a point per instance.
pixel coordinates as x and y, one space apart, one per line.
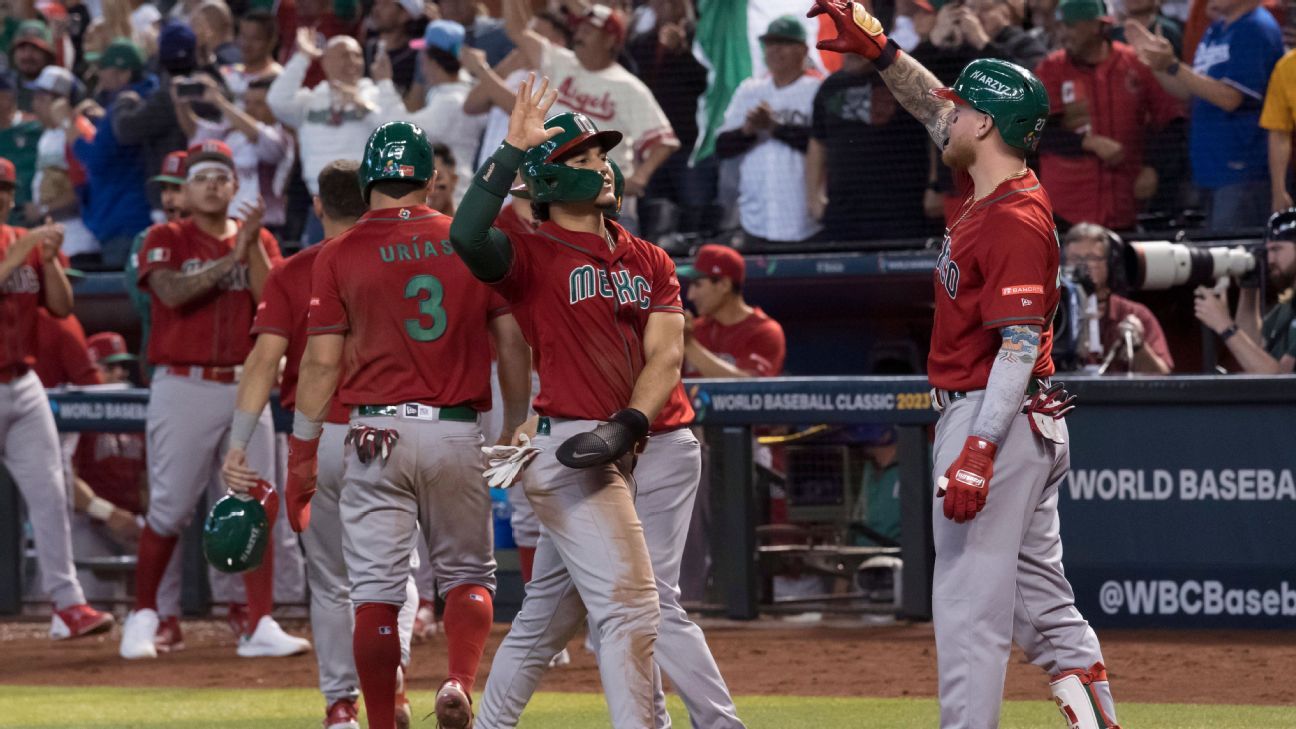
31 276
203 274
603 310
395 310
998 575
280 328
170 182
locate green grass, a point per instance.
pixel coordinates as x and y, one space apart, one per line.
118 708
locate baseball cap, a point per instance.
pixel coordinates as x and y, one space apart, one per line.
173 168
445 35
122 53
212 150
177 47
1075 11
8 173
607 20
786 29
1282 225
715 260
54 80
413 7
108 348
34 33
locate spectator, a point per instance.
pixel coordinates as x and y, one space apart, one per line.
393 24
1147 13
115 203
256 42
1088 246
1105 105
589 81
150 121
444 197
1279 118
1044 23
875 518
1268 346
33 50
859 134
993 30
53 186
729 337
442 117
334 117
768 125
19 138
480 30
262 149
1226 86
213 27
681 195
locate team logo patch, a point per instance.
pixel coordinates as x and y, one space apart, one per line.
158 255
1021 289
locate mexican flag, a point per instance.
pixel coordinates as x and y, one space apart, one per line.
727 44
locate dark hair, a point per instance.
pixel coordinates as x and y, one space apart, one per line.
440 149
339 190
444 59
396 189
264 19
734 286
558 22
540 211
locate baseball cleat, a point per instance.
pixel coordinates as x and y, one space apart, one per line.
270 641
137 635
342 714
78 620
425 622
453 706
562 658
404 713
169 638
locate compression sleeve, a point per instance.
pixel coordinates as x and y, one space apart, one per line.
484 249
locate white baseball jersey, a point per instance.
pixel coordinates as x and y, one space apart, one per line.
443 120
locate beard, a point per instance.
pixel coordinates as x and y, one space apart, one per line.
1282 280
958 156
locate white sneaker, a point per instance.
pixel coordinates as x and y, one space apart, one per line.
137 635
270 641
563 658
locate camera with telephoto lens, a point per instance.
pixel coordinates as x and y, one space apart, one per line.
1159 265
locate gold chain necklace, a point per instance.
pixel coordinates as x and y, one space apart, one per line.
971 204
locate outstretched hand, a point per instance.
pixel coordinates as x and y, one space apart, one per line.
530 109
857 30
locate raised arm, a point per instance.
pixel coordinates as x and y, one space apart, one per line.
517 25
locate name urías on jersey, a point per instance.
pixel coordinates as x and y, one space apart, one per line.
587 281
414 250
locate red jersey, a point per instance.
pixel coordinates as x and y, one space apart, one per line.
113 464
1119 98
755 345
282 311
583 308
998 267
20 295
212 330
415 317
63 358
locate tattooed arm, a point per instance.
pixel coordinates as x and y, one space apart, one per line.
911 83
175 288
1007 384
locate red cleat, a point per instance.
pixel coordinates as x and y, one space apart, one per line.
453 706
169 638
77 621
342 715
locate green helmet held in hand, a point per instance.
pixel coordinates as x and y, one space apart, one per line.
235 534
1009 94
396 151
548 180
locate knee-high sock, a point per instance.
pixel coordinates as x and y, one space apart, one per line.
526 555
376 644
468 616
154 553
260 589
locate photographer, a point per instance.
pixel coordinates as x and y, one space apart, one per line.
1122 324
1265 347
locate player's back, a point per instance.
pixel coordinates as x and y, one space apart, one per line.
415 319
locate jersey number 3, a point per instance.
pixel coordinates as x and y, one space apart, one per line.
428 291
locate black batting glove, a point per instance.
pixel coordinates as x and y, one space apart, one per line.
606 443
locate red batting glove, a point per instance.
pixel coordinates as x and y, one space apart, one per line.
269 498
857 31
967 480
303 469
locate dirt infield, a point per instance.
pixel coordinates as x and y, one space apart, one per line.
767 657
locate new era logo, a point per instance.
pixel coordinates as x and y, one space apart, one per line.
411 410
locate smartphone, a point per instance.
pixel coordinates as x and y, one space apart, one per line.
190 89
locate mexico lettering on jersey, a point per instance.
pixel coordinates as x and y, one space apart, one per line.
282 312
415 319
20 295
212 330
998 267
584 308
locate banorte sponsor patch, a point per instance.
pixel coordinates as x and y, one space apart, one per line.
1021 289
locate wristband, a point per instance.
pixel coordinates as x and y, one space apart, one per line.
1227 333
100 509
304 428
636 421
242 427
889 53
496 176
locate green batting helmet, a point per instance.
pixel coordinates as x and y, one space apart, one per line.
1008 93
396 151
550 181
236 533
